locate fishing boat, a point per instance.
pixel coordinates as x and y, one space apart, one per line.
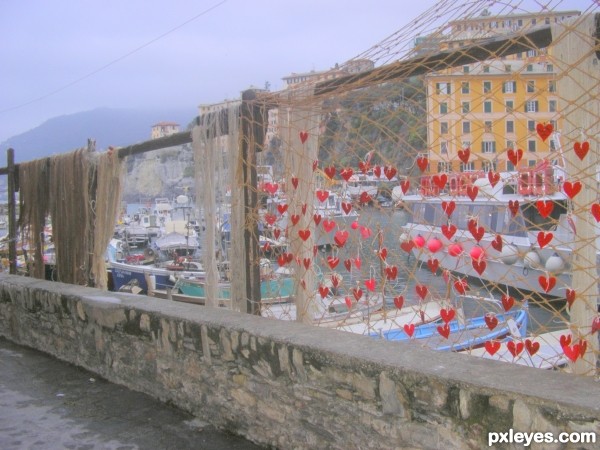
510 229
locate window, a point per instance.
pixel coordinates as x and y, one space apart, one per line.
552 145
531 162
531 53
443 127
510 126
487 107
510 144
488 147
443 108
466 127
466 144
509 87
468 167
464 87
510 166
442 88
486 69
510 106
531 125
444 166
465 69
488 126
489 166
444 147
466 107
549 68
552 105
531 145
507 67
487 87
529 67
531 106
551 86
547 20
531 86
533 21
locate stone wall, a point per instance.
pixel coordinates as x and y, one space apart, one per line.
288 385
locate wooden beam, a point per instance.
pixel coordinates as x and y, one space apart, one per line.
12 211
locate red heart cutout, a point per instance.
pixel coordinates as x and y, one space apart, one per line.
276 233
404 185
544 238
421 290
281 260
282 208
595 324
596 211
295 218
570 295
515 348
399 301
329 171
514 156
448 207
271 188
383 253
493 177
447 314
513 206
346 207
491 320
464 155
306 262
409 329
492 347
507 302
545 207
477 233
340 237
315 164
266 247
333 262
349 302
479 265
329 225
335 279
572 189
391 273
422 162
531 346
364 197
377 171
433 265
565 339
572 351
444 330
449 230
322 195
364 166
357 292
407 246
323 291
370 284
270 218
357 262
547 283
295 182
317 218
544 130
581 149
304 206
303 136
304 234
497 243
348 264
389 172
461 286
472 192
440 180
346 173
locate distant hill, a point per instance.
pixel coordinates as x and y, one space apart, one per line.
108 126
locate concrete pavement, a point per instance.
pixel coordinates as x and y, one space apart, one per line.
47 404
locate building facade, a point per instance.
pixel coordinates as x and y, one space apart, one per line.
162 129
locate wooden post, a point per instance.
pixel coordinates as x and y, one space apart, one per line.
251 139
574 52
13 187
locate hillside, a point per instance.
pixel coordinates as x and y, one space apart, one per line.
108 126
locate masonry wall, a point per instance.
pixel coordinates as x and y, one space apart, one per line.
288 385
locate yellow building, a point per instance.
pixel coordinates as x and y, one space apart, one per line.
491 106
162 129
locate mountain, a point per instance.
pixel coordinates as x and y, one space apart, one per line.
108 126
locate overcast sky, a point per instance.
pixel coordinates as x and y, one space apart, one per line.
64 56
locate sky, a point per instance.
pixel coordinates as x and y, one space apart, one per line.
65 56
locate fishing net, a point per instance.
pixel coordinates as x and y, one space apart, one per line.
441 188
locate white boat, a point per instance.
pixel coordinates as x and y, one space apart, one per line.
510 229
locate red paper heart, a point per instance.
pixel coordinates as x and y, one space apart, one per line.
492 347
317 218
304 234
346 173
332 262
306 262
547 283
322 195
389 172
276 233
391 273
545 207
544 130
303 136
444 330
448 207
572 189
329 171
346 207
544 238
497 243
303 208
295 218
399 301
513 206
421 290
349 302
282 208
340 237
514 156
461 286
409 329
507 302
348 264
315 164
440 180
364 197
479 265
493 177
404 185
270 218
271 188
370 284
328 225
295 182
323 291
449 230
477 232
357 292
472 192
335 279
596 211
281 260
491 321
532 347
364 166
447 314
433 264
357 262
407 246
565 339
464 155
573 352
515 348
422 162
570 296
377 171
596 324
383 253
581 149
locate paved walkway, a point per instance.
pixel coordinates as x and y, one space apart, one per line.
47 404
